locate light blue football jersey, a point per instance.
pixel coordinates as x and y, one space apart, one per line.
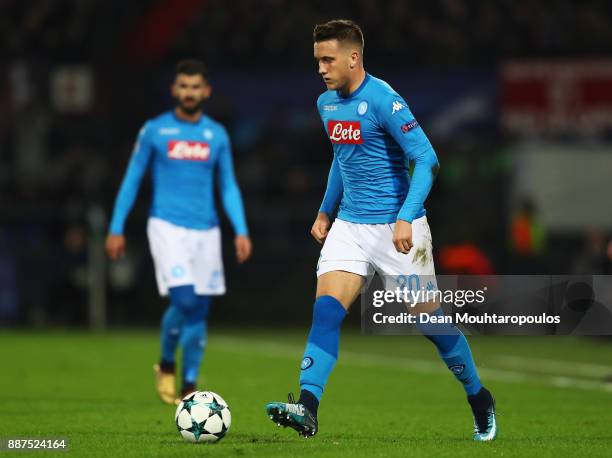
186 160
374 136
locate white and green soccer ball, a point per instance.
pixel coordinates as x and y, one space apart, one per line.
203 416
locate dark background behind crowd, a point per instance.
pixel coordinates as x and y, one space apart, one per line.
505 90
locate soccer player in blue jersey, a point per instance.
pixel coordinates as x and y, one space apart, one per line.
380 225
188 154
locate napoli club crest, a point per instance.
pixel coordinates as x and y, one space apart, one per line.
362 108
457 369
306 363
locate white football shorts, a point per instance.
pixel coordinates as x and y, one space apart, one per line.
184 256
365 249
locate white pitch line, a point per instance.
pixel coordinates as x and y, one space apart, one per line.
348 358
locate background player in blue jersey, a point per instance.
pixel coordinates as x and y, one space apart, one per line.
380 226
188 153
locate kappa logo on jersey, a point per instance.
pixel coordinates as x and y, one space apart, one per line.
409 126
347 132
397 106
188 151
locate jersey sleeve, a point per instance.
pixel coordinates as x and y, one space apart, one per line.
139 162
399 122
335 188
229 190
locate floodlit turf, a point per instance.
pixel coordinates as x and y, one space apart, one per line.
389 396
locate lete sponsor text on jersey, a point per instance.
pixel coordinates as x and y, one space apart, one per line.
190 151
348 132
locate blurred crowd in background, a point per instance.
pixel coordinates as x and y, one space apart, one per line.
277 32
79 77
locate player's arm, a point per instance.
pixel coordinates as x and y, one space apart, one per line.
400 123
331 200
115 241
232 202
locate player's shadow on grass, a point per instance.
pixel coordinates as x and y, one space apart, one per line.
237 439
265 438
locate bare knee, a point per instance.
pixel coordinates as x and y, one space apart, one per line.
343 286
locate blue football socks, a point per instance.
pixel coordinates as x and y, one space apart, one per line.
171 328
193 339
185 323
454 350
321 350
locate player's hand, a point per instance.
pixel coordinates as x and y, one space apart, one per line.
402 236
244 248
115 246
320 228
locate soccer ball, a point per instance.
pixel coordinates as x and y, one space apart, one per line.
203 416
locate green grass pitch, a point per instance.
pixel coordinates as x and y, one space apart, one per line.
389 396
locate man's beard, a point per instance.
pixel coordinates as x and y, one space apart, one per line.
190 109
